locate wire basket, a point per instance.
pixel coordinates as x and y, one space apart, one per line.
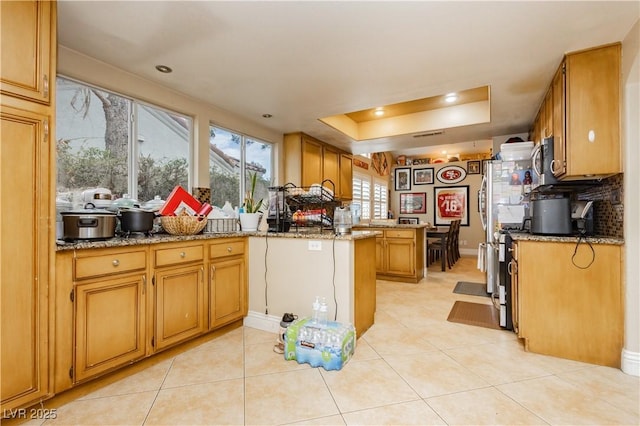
222 225
183 225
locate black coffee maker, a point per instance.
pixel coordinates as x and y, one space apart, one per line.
279 214
582 217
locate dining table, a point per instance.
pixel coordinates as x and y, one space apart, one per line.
440 233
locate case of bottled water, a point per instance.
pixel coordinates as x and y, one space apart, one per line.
328 345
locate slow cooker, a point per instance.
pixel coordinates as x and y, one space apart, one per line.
88 224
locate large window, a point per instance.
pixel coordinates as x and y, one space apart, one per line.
107 140
232 155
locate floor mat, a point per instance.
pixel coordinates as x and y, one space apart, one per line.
473 289
475 314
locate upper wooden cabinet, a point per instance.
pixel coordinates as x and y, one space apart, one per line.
308 160
582 112
28 42
592 114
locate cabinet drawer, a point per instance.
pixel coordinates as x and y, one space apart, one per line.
226 248
112 263
179 255
399 233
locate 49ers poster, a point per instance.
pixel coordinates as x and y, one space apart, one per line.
451 203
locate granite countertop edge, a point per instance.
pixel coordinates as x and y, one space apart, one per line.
393 225
594 239
166 238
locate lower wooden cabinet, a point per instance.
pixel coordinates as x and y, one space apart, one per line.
569 300
115 306
179 305
400 254
109 324
227 282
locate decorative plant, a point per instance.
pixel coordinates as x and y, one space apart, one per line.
250 205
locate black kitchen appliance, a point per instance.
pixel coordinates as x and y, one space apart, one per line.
279 214
550 213
504 295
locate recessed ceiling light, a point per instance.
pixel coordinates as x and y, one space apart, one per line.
450 97
444 151
164 69
267 115
379 112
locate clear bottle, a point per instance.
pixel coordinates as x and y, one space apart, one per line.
315 316
323 314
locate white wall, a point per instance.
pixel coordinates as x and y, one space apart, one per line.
75 65
631 155
472 234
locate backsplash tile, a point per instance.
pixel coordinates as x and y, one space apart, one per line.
608 206
202 194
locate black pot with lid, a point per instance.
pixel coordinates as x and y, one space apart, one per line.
136 220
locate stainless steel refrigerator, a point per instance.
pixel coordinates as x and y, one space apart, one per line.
504 204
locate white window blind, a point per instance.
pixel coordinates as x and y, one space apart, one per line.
380 202
362 195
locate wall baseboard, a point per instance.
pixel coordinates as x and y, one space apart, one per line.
630 363
269 323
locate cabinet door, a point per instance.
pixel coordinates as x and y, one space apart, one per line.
400 256
593 112
559 149
25 30
109 325
311 162
572 306
227 291
331 167
180 308
25 245
346 177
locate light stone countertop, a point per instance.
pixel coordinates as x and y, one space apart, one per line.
167 238
594 239
393 225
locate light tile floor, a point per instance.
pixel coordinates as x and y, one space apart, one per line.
411 368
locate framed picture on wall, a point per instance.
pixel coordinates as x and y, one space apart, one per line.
402 178
422 176
451 203
408 220
413 203
473 167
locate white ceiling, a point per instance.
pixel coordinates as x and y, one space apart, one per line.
302 60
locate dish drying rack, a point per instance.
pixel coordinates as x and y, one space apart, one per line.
308 208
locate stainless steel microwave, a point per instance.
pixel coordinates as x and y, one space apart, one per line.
542 157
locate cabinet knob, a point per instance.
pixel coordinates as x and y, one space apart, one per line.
183 254
116 262
229 249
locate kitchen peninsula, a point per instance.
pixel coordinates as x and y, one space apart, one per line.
400 250
288 270
124 299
